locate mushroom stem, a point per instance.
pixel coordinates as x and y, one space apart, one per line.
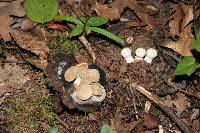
87 46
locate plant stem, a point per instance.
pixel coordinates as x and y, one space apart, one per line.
87 46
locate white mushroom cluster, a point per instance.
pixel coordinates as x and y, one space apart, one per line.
85 80
140 54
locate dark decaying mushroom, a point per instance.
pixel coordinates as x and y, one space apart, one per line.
73 95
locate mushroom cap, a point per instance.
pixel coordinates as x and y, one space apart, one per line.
140 52
83 91
82 66
125 52
148 59
71 73
97 89
152 53
129 59
93 75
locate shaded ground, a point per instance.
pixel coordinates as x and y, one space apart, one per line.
34 106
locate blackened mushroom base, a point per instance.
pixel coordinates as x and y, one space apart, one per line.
58 64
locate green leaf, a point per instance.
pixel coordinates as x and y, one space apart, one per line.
88 29
53 130
196 43
68 18
82 19
107 129
186 66
41 11
108 34
76 31
97 21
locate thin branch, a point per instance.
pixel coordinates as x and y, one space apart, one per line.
181 124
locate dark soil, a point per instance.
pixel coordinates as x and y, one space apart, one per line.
123 107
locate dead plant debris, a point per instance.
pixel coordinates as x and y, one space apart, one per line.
30 97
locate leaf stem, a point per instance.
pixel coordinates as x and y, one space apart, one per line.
87 46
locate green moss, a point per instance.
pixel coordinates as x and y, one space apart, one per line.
27 114
64 45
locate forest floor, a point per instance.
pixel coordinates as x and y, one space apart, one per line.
140 97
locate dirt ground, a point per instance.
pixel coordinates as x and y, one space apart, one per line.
33 98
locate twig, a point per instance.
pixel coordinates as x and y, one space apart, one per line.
133 93
181 124
87 46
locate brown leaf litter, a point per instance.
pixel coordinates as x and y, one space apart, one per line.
13 8
35 45
183 45
180 102
114 11
5 22
180 26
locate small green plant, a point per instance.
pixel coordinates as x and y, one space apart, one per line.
53 130
107 129
188 65
41 11
90 25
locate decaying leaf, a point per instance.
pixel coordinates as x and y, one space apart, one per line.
183 45
113 12
175 21
13 8
34 45
39 63
181 103
5 30
188 15
182 16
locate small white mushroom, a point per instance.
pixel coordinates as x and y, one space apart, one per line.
70 74
140 53
151 54
126 53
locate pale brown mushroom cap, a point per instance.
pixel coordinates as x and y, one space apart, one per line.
82 66
93 75
84 91
71 73
96 89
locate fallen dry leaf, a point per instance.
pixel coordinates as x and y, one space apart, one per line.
183 45
113 12
56 26
35 45
5 22
188 15
31 43
181 103
15 8
182 16
175 20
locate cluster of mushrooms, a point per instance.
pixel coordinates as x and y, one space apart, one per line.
85 81
140 54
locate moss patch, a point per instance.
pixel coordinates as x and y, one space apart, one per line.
64 45
30 109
